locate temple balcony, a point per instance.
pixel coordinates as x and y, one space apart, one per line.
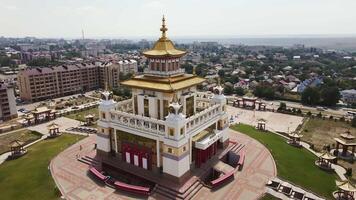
206 115
125 106
207 139
137 122
177 72
203 119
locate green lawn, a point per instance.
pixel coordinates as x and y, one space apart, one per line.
28 177
293 164
269 197
26 136
80 115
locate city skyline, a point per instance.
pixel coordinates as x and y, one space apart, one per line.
139 19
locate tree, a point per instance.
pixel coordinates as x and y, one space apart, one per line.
282 106
310 96
330 96
221 73
228 90
353 122
264 91
239 91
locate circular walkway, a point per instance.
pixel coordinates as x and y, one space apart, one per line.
71 176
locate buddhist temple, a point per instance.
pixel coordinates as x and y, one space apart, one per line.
163 128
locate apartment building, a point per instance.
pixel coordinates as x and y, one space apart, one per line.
7 102
36 84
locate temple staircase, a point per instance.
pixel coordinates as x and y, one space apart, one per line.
173 194
89 161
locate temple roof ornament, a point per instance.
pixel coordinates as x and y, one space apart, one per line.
164 46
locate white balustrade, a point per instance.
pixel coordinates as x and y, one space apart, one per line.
124 106
202 117
129 120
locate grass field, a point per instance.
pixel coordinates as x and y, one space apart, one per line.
320 132
28 177
26 136
269 197
293 164
80 115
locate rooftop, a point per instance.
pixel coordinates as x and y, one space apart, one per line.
164 46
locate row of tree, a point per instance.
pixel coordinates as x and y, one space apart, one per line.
327 96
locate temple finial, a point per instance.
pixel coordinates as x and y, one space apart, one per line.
163 28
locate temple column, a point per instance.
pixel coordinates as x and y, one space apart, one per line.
115 138
158 153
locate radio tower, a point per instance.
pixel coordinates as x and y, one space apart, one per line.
83 35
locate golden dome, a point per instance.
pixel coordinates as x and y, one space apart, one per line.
164 46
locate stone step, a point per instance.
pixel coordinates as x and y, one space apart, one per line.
239 149
92 159
83 161
190 190
236 146
172 194
194 192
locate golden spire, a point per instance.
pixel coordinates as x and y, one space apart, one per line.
163 28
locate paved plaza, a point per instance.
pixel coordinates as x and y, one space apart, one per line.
63 123
71 175
276 122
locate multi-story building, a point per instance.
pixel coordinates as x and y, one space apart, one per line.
7 102
349 96
36 84
128 66
167 126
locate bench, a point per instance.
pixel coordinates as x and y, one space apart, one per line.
98 174
241 160
132 188
222 179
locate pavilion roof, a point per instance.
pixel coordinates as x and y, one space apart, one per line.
327 156
343 142
295 135
40 110
347 135
346 186
29 116
16 143
89 116
53 126
262 120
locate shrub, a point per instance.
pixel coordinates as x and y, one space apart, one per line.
348 172
299 111
309 113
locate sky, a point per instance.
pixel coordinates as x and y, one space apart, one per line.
185 18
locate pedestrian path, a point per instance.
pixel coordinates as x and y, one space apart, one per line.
4 156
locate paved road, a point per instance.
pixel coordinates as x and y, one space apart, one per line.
32 106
